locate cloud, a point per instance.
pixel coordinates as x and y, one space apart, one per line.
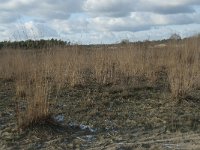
139 21
118 8
7 17
90 20
31 30
110 8
45 9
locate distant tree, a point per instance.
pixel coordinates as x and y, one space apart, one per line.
175 36
125 41
34 44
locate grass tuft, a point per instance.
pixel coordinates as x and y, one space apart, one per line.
39 73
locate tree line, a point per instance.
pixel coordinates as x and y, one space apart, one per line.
33 44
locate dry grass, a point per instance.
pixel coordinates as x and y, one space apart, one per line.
37 73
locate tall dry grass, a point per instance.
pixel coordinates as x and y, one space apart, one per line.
36 73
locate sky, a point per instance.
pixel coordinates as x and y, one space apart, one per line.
98 21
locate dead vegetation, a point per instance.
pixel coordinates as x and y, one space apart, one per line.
41 75
35 73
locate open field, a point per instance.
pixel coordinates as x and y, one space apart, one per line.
126 96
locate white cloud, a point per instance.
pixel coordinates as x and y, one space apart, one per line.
117 8
92 20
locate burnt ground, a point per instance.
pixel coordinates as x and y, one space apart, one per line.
106 117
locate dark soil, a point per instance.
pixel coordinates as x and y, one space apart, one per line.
106 117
